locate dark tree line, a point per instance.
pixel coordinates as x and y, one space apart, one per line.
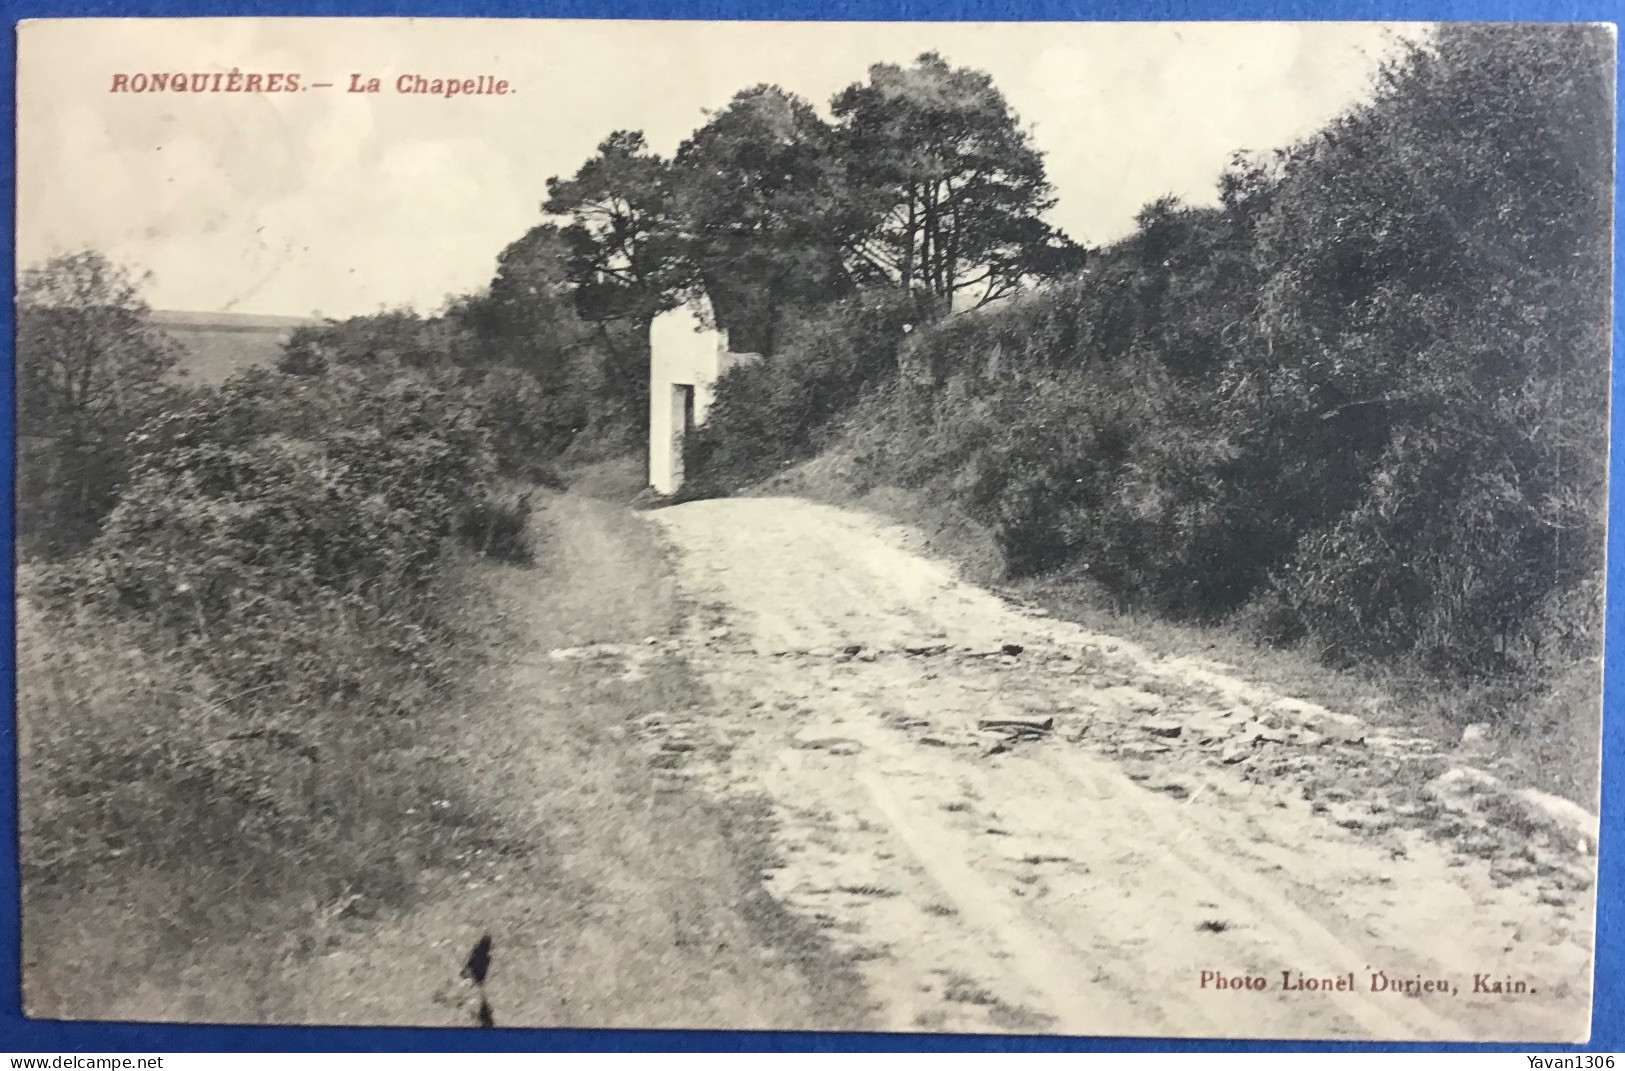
921 185
923 181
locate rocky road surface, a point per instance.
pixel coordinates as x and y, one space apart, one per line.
1135 830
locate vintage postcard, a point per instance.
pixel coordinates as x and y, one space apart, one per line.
1070 529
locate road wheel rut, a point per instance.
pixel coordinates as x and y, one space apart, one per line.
1136 822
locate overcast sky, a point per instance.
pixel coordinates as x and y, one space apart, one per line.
326 201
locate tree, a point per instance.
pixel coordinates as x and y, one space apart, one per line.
90 367
527 317
761 192
589 373
627 257
954 186
87 351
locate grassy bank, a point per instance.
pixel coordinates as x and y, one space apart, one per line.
520 802
232 696
177 867
628 896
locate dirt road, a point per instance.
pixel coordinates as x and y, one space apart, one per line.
1174 826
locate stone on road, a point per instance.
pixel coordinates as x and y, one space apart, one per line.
1178 825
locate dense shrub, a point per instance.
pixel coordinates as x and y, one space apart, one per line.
588 369
769 413
271 585
1361 402
258 519
499 528
391 337
545 383
65 486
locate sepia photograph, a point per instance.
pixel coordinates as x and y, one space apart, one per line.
1066 529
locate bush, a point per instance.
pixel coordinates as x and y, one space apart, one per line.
500 529
271 579
65 487
1361 403
537 396
280 495
399 337
770 413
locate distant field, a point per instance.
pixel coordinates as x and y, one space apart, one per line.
221 343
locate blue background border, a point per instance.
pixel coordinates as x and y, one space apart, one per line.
21 1035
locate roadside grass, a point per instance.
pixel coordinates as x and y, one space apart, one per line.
636 900
174 868
515 801
1553 744
622 480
